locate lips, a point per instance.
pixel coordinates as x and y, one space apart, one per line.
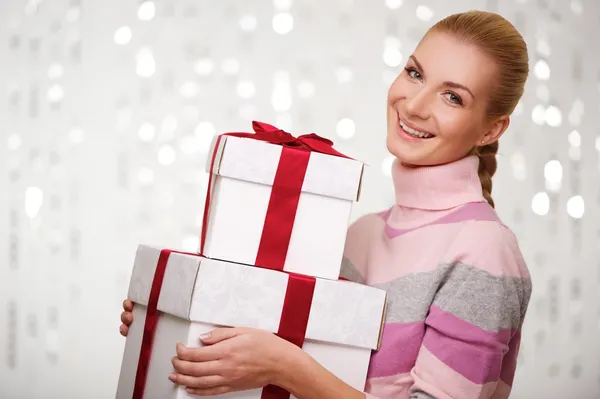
412 131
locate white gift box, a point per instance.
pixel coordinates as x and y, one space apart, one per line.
243 174
199 294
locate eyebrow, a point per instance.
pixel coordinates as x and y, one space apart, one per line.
447 83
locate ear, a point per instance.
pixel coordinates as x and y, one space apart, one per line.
495 130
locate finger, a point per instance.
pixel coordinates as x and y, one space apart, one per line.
220 334
203 354
128 305
127 318
196 369
123 330
209 391
203 382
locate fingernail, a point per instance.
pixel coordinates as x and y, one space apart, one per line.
205 336
190 390
172 376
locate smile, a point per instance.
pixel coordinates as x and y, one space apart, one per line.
413 132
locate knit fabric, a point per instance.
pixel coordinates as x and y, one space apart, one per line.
457 286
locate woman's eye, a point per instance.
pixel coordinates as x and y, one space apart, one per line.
453 98
413 73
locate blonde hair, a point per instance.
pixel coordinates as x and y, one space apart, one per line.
500 40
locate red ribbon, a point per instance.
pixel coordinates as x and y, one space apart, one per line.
294 321
285 194
152 316
292 325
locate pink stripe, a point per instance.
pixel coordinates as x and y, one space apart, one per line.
509 363
469 350
440 381
470 211
400 345
394 386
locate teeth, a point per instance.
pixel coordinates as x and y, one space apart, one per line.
414 132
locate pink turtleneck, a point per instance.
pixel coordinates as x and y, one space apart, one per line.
457 285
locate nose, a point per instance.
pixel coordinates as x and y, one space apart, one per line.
417 104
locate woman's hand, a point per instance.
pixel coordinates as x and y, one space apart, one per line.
126 317
234 359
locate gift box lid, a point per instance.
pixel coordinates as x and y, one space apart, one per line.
230 294
256 161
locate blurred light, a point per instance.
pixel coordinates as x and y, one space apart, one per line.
205 132
424 13
575 207
189 89
306 89
598 143
230 66
386 165
283 23
166 155
248 23
575 138
73 14
392 57
282 4
543 48
577 111
345 128
76 135
56 94
284 122
204 66
145 176
34 198
542 70
543 93
519 166
146 132
576 7
281 98
393 4
540 204
553 173
246 89
55 71
188 144
145 64
146 11
13 142
538 114
575 153
191 243
343 74
247 111
123 35
553 116
169 124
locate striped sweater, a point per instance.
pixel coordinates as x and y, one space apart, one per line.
458 287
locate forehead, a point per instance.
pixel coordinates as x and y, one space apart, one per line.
446 58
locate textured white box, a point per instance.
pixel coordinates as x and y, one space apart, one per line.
199 294
243 174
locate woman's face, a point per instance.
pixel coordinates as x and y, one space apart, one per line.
437 106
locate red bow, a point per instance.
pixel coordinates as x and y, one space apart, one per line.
309 142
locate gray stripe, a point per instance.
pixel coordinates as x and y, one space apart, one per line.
350 272
421 395
487 301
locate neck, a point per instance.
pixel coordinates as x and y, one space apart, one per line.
437 187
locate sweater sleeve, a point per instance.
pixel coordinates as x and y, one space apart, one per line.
472 330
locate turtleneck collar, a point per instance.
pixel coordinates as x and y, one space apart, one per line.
437 187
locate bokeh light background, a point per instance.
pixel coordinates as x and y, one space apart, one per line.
108 108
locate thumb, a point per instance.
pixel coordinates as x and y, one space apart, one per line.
218 335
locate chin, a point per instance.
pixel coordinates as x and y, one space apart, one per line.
409 155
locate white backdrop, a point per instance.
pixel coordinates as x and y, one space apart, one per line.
108 106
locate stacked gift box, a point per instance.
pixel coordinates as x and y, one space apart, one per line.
275 220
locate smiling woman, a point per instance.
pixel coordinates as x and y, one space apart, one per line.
456 305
